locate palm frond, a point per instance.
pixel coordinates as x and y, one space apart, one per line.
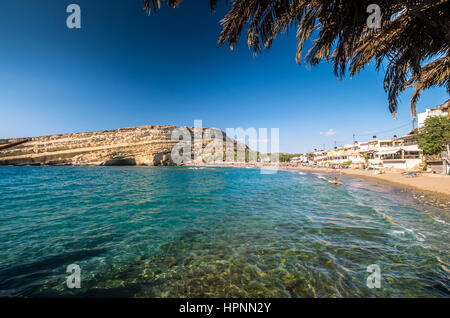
412 33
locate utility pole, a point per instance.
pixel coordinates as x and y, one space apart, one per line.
353 138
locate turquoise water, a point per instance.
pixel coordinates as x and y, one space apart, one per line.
214 232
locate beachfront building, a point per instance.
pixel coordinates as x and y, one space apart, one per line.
348 155
404 157
320 158
336 157
442 110
316 158
368 151
399 153
354 156
303 159
437 164
300 159
311 158
407 140
446 160
440 163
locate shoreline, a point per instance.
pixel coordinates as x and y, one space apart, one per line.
434 188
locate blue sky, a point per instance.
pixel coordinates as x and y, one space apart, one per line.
124 68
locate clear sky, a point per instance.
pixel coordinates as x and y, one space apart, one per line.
124 68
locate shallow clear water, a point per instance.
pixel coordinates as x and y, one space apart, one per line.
222 232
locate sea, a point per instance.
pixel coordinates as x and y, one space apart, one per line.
215 232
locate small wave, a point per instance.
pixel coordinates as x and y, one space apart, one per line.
439 220
387 217
326 179
443 264
418 236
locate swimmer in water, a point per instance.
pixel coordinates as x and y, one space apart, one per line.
335 180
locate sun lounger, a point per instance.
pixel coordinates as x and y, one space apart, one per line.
412 174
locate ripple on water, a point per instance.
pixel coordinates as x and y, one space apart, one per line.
222 232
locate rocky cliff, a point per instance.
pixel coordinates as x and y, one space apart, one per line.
145 145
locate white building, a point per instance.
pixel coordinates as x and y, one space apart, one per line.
404 157
320 156
432 112
402 153
300 159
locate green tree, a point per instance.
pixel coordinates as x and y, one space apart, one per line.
412 44
434 135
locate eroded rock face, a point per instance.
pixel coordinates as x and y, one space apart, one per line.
144 145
